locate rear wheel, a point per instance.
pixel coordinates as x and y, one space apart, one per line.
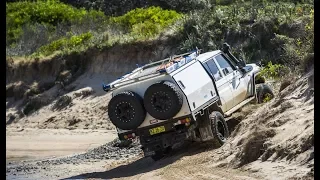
219 128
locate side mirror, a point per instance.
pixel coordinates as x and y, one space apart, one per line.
259 63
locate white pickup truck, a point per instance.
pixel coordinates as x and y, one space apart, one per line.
184 96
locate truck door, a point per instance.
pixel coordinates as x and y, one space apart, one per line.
240 85
222 84
235 79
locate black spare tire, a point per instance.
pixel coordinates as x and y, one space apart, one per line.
126 111
163 100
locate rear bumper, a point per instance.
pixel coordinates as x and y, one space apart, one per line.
144 131
159 142
151 144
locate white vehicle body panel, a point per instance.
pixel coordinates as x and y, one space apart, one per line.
225 93
196 84
239 85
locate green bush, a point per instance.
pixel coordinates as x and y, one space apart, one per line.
64 43
55 20
274 71
253 29
118 8
50 12
256 30
147 22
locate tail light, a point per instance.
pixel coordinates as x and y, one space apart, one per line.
129 136
183 121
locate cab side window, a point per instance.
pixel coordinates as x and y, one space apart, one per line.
213 69
224 64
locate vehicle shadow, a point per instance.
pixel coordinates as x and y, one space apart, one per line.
144 165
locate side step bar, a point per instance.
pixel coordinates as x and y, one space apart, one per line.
232 110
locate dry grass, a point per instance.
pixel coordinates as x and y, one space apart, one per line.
62 102
35 103
83 92
16 90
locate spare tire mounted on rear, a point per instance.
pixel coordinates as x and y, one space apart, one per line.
126 110
163 100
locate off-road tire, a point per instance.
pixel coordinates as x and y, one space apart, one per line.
219 128
126 110
262 91
163 100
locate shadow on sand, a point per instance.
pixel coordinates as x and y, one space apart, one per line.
144 165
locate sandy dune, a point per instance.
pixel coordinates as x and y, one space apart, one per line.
274 140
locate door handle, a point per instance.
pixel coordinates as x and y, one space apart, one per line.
181 84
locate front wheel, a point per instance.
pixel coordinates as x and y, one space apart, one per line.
264 93
219 128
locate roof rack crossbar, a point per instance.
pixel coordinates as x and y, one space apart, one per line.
167 59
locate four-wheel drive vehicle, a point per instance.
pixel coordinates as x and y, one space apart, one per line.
185 96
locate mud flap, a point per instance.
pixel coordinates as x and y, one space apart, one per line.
206 133
205 127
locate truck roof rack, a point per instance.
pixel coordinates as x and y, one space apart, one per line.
123 81
170 58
